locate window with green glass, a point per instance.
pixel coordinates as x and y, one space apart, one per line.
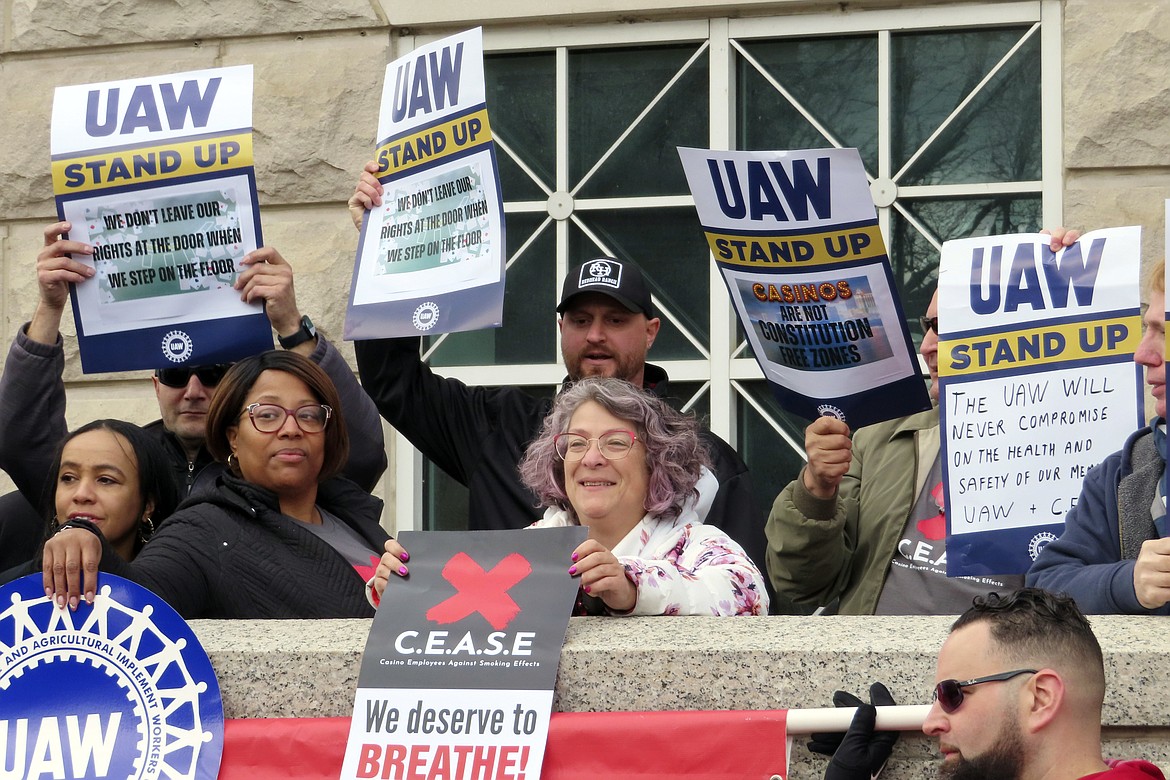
945 104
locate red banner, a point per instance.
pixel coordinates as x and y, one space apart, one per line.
714 745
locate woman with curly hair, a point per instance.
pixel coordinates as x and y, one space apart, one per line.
621 462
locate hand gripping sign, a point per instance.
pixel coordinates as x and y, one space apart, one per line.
458 674
120 689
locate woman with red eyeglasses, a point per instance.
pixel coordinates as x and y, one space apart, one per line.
280 535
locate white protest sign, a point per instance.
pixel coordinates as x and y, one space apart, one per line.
431 256
156 174
1038 384
458 673
796 239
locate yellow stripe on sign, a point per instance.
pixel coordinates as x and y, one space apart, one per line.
151 163
1071 341
434 143
832 246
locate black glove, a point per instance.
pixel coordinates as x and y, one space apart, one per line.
827 742
859 753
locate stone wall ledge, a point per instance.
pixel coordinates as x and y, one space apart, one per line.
310 668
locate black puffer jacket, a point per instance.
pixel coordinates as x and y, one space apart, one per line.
230 553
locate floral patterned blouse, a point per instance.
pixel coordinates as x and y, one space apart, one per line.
683 567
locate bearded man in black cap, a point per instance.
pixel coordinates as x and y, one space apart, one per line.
478 434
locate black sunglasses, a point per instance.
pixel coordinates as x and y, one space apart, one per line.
949 693
209 376
928 324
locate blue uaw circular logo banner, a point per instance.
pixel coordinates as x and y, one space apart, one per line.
121 689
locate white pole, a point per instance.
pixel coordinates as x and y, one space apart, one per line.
897 718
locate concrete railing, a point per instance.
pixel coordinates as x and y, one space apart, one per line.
309 669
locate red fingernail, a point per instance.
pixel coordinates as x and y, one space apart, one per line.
572 570
574 556
585 588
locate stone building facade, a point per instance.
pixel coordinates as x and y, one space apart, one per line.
318 75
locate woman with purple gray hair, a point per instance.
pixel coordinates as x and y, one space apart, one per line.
621 462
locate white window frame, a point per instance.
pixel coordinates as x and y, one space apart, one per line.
725 368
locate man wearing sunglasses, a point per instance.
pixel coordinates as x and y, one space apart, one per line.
478 435
32 392
1020 685
861 530
1114 554
1021 682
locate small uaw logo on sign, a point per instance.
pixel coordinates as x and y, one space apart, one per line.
177 346
828 410
426 316
120 689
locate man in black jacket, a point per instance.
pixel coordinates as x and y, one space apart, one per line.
478 435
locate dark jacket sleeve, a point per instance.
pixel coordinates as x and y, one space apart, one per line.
22 529
1085 562
367 445
174 565
734 508
32 413
16 572
443 418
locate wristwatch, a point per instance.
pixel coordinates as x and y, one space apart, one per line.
306 333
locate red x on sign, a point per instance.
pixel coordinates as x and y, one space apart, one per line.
485 592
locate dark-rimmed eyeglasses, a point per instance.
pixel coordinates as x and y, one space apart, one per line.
928 324
949 693
269 418
613 445
209 376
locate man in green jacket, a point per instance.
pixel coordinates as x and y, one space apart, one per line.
861 530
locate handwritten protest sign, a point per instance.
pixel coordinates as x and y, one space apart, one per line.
796 239
458 673
119 688
156 173
1038 384
431 257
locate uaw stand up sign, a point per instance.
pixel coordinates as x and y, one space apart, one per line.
120 689
457 677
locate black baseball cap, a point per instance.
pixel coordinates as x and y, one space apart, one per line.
621 281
